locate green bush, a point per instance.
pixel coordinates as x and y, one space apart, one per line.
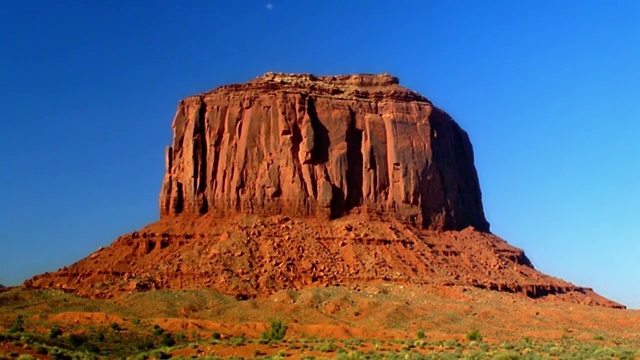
238 341
89 347
17 325
329 347
167 340
277 332
506 355
159 354
77 340
41 350
54 332
420 334
474 335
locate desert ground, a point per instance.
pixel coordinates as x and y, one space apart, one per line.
383 320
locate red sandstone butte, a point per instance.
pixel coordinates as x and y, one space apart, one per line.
294 181
305 145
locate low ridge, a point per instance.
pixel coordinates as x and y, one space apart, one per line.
293 180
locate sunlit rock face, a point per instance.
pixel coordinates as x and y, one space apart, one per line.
310 146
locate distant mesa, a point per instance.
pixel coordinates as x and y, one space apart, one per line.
292 181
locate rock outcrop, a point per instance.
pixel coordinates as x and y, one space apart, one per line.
302 145
256 170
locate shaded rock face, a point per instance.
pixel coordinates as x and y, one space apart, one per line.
308 146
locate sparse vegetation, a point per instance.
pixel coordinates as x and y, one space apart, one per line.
277 332
64 339
55 332
238 341
474 335
17 325
167 340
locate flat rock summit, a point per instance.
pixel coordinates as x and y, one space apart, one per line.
291 181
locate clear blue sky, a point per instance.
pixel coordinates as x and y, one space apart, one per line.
547 90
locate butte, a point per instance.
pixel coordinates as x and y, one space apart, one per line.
292 181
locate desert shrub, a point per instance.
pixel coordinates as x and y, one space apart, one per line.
17 325
474 335
25 357
167 340
159 354
238 341
216 336
507 355
328 347
77 340
157 330
41 350
475 355
26 340
89 347
598 337
55 332
420 334
626 354
277 332
145 344
507 346
114 326
58 354
451 344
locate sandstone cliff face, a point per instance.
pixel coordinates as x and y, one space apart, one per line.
309 146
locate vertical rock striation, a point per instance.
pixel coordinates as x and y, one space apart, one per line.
302 145
309 146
